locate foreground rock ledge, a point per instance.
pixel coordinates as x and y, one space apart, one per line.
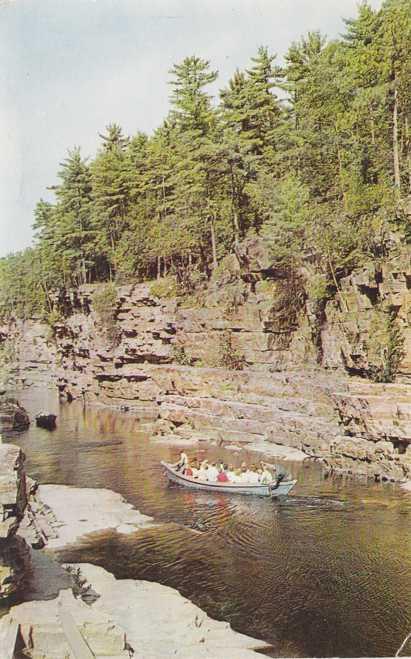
65 514
154 621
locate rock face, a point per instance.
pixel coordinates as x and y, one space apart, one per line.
172 362
13 502
356 320
14 566
12 415
129 618
13 489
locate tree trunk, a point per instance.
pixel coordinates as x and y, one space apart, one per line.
340 173
213 242
235 214
158 267
395 147
372 127
236 227
83 271
408 148
339 291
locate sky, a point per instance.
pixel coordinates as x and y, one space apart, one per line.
70 67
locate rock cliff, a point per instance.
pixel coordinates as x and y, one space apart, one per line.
250 359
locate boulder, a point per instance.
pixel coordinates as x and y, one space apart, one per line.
12 415
47 421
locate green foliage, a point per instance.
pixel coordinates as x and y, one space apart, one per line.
104 304
24 283
289 212
7 358
386 346
180 356
166 288
317 287
323 173
53 317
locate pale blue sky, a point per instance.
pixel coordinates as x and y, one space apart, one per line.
70 67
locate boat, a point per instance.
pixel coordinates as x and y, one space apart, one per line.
270 490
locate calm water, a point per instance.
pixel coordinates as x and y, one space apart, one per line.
325 574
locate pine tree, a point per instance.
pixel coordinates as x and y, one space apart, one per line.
111 195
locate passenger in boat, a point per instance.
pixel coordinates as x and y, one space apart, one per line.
212 472
243 477
182 463
188 471
195 468
277 472
203 471
222 476
232 474
252 474
266 476
237 475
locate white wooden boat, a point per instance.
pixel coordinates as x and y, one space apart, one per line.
271 490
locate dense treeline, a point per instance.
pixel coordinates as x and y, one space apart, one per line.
314 154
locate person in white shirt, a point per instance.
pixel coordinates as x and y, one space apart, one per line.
243 477
195 468
253 475
232 475
266 477
203 471
212 472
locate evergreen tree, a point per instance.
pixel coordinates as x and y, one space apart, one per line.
110 195
324 173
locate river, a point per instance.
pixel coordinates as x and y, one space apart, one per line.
327 573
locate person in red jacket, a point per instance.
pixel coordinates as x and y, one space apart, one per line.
222 475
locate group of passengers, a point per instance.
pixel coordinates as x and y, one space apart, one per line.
219 472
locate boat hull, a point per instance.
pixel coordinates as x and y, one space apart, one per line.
230 488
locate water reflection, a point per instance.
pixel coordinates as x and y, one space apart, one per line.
327 573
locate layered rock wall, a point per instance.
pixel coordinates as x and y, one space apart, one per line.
354 331
169 360
13 489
